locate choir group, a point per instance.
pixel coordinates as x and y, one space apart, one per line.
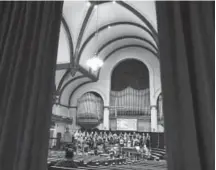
100 142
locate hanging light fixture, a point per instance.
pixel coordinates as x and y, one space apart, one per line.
94 63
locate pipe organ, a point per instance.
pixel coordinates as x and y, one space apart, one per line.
89 110
130 102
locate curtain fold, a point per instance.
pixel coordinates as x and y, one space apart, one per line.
29 33
186 37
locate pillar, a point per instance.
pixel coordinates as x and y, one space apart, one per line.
106 119
153 119
73 113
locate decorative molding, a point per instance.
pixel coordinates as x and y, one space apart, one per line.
125 46
66 84
62 80
113 25
86 73
77 54
127 37
72 93
128 46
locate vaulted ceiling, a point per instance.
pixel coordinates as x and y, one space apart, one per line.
120 25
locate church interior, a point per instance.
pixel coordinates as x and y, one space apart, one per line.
108 82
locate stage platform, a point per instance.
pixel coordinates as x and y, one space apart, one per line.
91 162
137 165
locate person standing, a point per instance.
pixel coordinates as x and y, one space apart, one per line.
148 144
67 138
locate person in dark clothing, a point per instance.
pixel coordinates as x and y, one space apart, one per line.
68 161
148 141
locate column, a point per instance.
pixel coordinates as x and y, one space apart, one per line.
69 115
73 112
153 118
106 119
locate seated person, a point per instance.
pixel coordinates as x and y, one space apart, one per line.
68 161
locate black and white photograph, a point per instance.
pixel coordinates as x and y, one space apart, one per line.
107 85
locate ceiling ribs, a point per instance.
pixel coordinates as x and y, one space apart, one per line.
140 16
76 55
127 37
69 37
71 47
112 25
126 46
72 93
62 80
82 30
135 12
86 73
70 41
67 83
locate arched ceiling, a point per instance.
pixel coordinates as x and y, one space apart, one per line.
120 24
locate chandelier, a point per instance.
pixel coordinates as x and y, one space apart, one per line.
94 63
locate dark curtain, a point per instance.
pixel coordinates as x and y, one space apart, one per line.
186 38
29 33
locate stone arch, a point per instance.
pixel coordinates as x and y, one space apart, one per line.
103 84
84 90
121 67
